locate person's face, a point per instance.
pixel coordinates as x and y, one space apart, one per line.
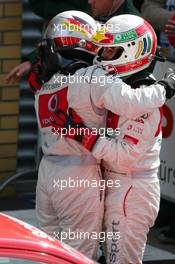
100 7
110 52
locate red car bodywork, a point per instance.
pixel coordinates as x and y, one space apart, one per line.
21 240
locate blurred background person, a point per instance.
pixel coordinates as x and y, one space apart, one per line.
138 4
161 14
105 9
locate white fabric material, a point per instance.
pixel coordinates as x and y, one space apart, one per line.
130 210
58 210
114 95
78 209
123 155
163 39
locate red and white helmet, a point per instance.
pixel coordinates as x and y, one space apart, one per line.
67 40
136 40
72 30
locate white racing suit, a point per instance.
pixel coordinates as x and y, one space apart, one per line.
131 163
80 209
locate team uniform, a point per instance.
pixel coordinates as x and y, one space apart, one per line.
132 158
70 209
80 209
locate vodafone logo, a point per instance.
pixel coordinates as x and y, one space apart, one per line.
53 103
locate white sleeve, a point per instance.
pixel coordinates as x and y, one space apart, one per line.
132 144
118 151
119 98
